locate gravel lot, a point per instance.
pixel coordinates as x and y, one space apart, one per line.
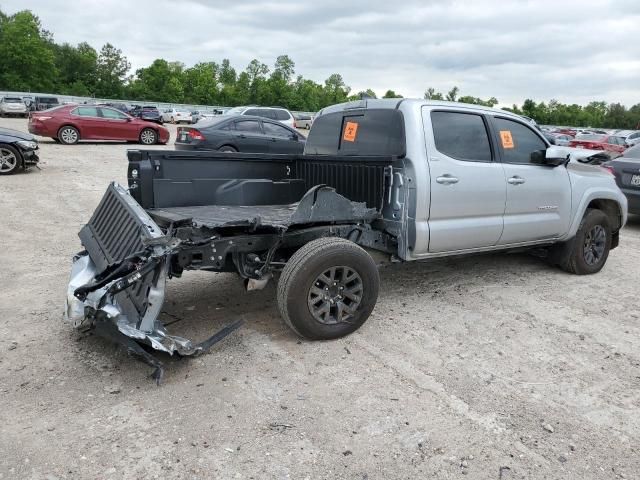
493 367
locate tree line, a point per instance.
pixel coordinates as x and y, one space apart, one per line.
33 61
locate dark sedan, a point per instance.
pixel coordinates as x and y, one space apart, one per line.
148 113
246 134
17 150
626 169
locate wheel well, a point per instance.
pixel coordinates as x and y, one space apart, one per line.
611 209
230 146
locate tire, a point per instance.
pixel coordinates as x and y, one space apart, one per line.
307 276
68 135
228 149
148 136
173 120
10 159
55 139
588 251
308 127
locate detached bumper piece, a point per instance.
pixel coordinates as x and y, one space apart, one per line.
117 284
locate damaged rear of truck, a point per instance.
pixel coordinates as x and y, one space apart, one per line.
314 220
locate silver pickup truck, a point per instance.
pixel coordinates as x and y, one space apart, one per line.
380 180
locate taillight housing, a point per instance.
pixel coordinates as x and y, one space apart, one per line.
195 134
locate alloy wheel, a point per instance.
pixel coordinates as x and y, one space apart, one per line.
335 295
69 135
148 137
594 245
8 160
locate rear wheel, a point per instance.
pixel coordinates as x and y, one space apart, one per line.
588 251
228 149
10 159
148 136
68 135
328 289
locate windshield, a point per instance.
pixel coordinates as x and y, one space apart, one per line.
235 111
12 100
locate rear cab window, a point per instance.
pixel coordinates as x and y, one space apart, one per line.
358 132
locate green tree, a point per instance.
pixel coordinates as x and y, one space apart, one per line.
200 83
111 70
76 68
431 94
335 90
453 94
391 94
27 59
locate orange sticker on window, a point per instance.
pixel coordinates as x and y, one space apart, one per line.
350 131
507 139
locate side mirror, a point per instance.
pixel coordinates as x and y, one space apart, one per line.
129 119
552 156
294 137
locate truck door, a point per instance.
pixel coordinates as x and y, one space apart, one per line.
468 190
538 196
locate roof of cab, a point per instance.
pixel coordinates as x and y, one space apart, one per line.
394 103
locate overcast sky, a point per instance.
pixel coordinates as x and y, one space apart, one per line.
571 50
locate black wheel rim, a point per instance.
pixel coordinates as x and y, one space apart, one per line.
335 295
594 245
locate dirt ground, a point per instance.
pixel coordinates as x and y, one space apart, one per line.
489 367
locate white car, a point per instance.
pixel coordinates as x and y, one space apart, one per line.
631 137
12 106
176 115
279 114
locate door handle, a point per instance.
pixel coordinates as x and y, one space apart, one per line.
516 180
242 136
447 179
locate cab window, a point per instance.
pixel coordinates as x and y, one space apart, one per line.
462 136
517 142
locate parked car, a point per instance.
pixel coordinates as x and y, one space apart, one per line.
240 134
13 106
44 103
394 179
626 169
610 143
176 115
562 139
196 116
147 112
17 150
303 120
281 115
631 137
70 123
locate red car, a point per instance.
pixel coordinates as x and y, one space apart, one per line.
69 123
610 143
